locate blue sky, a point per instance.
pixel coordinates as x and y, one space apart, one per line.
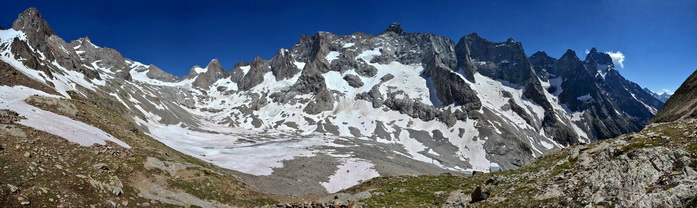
657 38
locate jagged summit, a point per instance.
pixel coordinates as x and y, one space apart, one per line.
540 54
569 53
215 66
31 21
594 56
395 28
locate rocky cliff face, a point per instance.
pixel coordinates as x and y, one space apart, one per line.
682 103
612 104
392 103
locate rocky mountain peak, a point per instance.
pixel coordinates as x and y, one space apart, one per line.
542 64
283 65
205 77
193 72
594 56
540 54
214 67
31 22
569 55
569 63
395 28
473 36
85 44
258 62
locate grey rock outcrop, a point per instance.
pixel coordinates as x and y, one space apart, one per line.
395 28
156 73
353 80
255 76
36 28
283 65
213 73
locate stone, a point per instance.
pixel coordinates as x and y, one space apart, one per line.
27 154
13 188
480 193
100 166
457 197
353 80
117 191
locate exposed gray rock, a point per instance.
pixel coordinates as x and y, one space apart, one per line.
11 130
35 27
158 74
353 80
13 188
480 193
395 28
213 73
255 75
283 65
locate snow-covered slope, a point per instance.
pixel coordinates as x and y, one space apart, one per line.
387 104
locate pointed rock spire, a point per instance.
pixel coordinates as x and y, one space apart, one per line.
283 65
540 54
598 57
395 28
31 22
255 75
207 76
569 54
593 50
214 67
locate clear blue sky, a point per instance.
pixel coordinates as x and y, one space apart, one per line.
656 37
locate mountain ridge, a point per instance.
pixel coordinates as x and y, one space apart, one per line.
395 102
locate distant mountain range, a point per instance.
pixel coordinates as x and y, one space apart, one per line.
663 96
361 105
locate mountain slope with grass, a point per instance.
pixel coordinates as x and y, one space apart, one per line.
651 168
42 169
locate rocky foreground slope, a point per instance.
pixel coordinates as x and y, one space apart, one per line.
41 169
652 168
655 167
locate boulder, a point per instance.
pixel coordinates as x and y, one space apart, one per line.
480 193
